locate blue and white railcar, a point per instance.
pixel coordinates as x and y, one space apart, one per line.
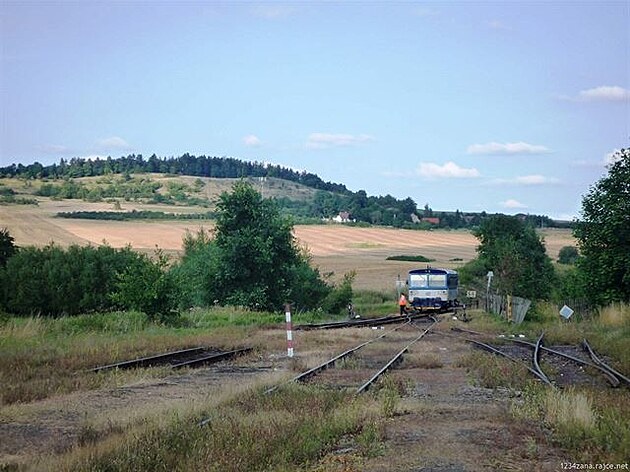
432 288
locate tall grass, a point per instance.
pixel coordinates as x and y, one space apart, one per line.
253 432
593 425
41 357
493 371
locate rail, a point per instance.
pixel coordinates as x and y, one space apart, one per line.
175 359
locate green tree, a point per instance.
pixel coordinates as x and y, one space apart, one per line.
7 246
258 260
146 285
198 270
516 255
603 234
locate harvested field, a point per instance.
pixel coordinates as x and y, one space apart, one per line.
335 248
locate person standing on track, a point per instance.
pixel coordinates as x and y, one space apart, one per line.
402 302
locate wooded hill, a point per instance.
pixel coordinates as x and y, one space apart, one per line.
327 201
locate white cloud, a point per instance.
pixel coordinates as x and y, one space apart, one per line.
449 170
507 148
272 12
114 142
511 203
326 140
498 25
252 140
535 179
604 93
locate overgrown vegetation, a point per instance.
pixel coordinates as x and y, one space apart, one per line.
53 281
252 261
48 356
517 256
252 432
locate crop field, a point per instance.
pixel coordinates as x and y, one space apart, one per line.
334 248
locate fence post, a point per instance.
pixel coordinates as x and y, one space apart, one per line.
287 312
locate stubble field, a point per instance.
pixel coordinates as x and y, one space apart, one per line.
334 248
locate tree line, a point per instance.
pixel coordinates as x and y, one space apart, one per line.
186 164
329 200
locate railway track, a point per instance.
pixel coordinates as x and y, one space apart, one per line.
192 357
360 367
366 322
614 378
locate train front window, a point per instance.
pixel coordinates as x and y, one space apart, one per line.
437 280
417 280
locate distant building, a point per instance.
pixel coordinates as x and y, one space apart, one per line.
343 217
431 220
415 219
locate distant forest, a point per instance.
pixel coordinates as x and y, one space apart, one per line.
330 198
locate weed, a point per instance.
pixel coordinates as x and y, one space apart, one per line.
424 361
493 371
370 440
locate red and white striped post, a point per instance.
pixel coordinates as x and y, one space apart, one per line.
287 312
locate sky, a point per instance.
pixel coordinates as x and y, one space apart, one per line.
511 106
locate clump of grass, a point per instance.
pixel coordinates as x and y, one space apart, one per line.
370 439
389 394
569 411
297 364
614 315
424 361
492 371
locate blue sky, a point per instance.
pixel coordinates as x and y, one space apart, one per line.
498 106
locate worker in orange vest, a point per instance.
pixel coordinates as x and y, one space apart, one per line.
402 302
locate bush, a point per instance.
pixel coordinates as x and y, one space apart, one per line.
338 299
52 281
146 286
568 255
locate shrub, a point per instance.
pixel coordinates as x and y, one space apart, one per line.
338 299
146 286
52 281
568 255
